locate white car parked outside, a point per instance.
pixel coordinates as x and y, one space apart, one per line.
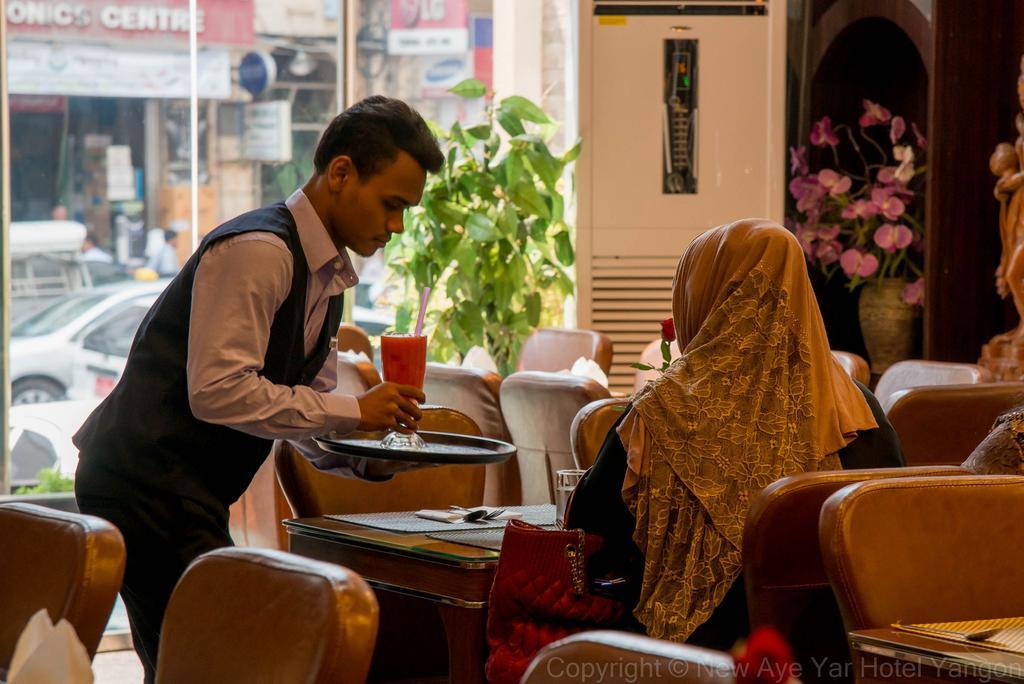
43 344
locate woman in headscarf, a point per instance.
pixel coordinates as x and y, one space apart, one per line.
755 396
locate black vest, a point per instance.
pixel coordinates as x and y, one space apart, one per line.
144 440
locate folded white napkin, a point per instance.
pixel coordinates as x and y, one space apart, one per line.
477 357
46 654
354 357
587 368
457 516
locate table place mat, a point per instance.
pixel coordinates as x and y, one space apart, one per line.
1009 637
406 521
485 539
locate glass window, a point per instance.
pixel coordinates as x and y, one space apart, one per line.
56 315
114 336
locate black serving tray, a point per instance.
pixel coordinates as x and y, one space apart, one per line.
442 448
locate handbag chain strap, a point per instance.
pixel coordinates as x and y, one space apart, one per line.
575 554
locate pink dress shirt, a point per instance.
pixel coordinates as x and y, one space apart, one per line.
239 285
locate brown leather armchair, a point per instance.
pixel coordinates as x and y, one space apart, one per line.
944 424
925 549
914 373
555 349
311 492
591 426
785 580
353 338
476 393
246 615
623 657
539 410
68 563
855 366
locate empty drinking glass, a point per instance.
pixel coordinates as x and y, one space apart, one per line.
565 483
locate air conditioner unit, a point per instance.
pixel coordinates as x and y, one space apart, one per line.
682 120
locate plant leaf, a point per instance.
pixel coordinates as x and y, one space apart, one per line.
572 153
481 228
481 132
523 108
527 197
469 88
533 309
512 124
564 249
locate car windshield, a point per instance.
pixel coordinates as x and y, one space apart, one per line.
55 316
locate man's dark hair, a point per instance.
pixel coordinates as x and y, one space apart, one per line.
170 235
91 237
372 131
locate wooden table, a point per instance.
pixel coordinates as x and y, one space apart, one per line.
890 655
453 577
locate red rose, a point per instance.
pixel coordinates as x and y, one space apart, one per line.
766 659
668 330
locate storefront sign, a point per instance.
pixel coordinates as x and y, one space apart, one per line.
267 133
441 73
36 68
428 27
43 104
221 22
257 71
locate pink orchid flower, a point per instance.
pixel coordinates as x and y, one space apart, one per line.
829 251
913 293
890 237
822 133
833 182
798 160
887 175
828 232
905 155
857 262
921 141
807 192
874 114
860 209
898 128
890 206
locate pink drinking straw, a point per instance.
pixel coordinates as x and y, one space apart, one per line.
423 311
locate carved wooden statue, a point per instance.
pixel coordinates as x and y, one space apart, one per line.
1004 354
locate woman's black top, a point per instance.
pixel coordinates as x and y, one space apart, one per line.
597 507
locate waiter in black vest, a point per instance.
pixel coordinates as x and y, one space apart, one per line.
236 353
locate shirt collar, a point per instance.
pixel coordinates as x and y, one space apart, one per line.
316 243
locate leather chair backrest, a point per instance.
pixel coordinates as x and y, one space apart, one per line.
255 615
928 549
906 374
855 365
626 657
944 424
311 492
355 377
539 409
786 583
555 349
353 338
591 426
476 393
651 355
68 563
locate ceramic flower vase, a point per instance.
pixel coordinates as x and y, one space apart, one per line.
887 323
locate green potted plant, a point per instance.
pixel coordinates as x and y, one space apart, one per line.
489 237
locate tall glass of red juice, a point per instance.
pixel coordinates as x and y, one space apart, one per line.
404 358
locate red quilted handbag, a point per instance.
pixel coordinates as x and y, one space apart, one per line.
540 595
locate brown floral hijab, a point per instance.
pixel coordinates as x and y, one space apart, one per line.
755 396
